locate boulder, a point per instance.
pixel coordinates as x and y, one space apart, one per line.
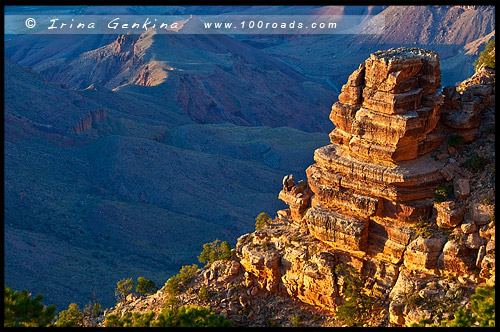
449 214
482 213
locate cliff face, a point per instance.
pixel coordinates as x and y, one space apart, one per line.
370 203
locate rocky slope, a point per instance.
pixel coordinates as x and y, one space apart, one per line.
370 202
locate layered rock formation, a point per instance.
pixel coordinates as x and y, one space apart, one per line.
375 180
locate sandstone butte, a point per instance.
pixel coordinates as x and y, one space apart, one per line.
368 203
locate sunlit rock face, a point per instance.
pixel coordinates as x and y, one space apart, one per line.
377 179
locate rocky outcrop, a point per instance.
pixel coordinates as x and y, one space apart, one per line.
377 178
89 120
463 104
297 196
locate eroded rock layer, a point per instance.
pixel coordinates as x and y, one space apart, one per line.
377 177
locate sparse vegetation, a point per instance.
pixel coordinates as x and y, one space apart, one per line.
91 311
443 192
215 251
271 322
422 229
487 56
476 163
489 130
203 293
185 316
446 232
72 317
455 141
481 314
172 302
296 321
245 239
262 221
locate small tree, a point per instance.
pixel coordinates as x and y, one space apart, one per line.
358 305
145 286
486 57
123 288
261 221
20 309
203 293
176 283
72 317
476 163
214 251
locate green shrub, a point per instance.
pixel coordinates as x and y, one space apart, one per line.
357 307
476 163
214 251
185 316
421 229
145 286
172 302
72 317
442 193
295 320
191 316
487 56
176 283
455 141
203 293
262 221
21 310
130 319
